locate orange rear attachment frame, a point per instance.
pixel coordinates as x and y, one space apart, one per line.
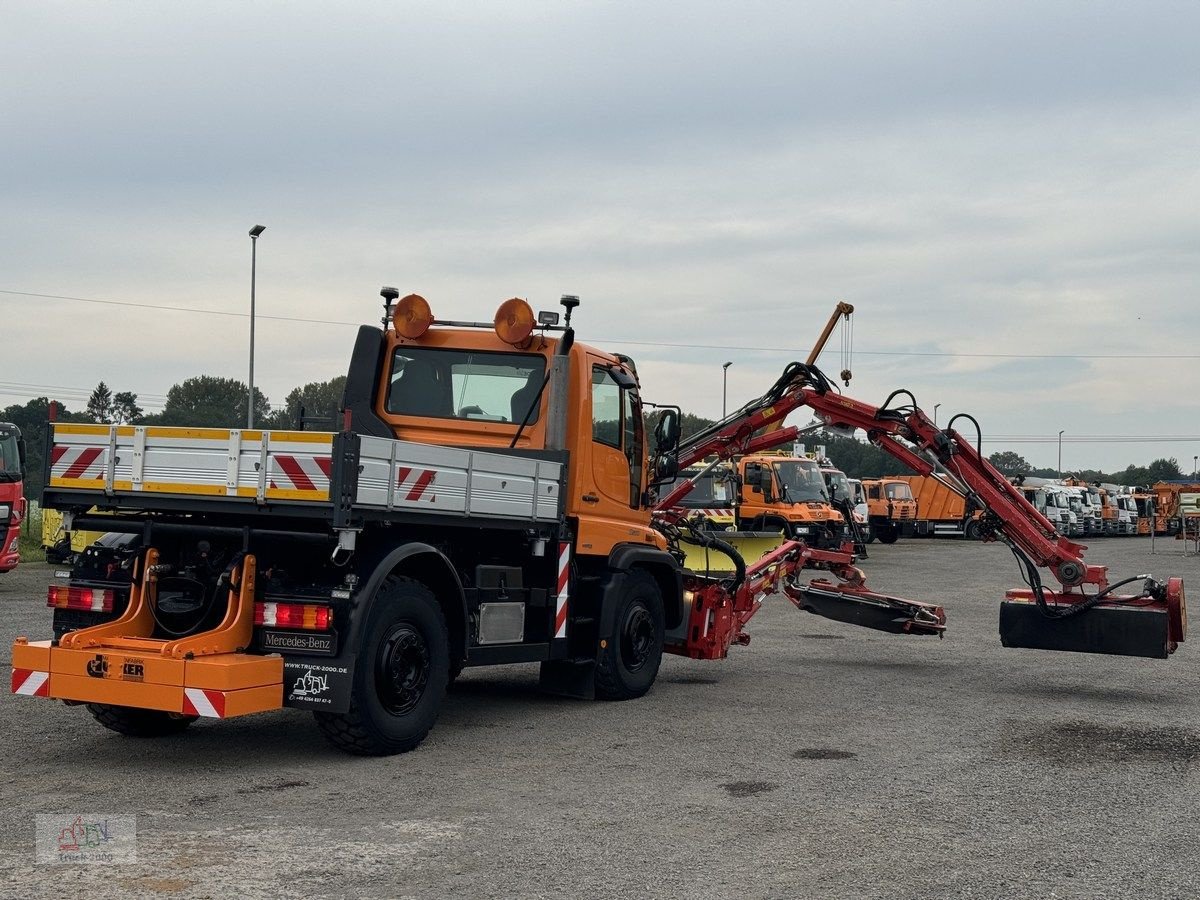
121 662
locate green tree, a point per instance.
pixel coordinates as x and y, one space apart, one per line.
100 404
125 409
31 419
207 401
1010 463
1163 470
319 401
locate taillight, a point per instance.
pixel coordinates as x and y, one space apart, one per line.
92 599
308 616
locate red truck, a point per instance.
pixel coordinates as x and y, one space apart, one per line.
12 497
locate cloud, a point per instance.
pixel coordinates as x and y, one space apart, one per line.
976 179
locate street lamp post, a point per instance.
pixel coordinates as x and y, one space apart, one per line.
935 409
725 387
1195 466
1060 434
254 233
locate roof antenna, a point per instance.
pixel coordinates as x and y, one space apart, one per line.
569 302
389 295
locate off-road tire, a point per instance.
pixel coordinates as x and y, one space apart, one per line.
973 531
405 633
870 534
627 664
889 535
145 723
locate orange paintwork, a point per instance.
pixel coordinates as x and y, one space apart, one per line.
879 505
936 501
120 663
754 505
595 469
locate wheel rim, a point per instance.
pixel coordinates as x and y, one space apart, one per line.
637 638
402 669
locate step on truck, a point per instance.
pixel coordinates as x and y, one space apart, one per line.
12 495
490 499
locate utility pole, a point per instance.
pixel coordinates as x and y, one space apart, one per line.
1060 434
725 387
254 233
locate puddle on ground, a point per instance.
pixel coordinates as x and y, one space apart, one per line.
742 789
691 679
1079 743
824 637
823 753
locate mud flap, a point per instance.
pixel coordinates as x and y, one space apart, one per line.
323 684
568 678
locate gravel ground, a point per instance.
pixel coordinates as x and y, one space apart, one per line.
821 761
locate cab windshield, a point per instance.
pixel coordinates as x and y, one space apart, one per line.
1076 504
802 481
465 384
898 491
10 462
711 490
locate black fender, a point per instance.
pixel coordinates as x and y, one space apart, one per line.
388 564
662 565
421 561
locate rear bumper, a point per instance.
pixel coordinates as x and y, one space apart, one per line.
218 686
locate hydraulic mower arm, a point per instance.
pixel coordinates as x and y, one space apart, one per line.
1150 623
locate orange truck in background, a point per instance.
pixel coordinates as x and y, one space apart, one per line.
787 493
891 509
941 509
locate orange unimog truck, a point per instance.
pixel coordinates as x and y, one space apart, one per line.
941 509
489 500
1147 510
891 509
787 494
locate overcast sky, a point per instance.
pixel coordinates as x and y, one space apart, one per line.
977 178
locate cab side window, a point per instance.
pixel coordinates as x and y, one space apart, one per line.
607 408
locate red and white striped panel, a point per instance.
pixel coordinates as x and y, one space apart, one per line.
30 683
199 702
414 484
76 462
301 472
564 590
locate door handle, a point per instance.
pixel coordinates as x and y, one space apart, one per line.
590 498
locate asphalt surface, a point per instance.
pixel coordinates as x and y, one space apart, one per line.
820 761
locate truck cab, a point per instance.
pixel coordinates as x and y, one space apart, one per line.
12 496
892 509
711 500
787 493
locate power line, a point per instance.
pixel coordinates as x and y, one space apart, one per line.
630 342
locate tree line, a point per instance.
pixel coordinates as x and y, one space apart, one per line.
207 401
861 459
204 401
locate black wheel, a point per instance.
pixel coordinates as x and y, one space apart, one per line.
632 650
870 534
889 534
973 531
139 722
400 677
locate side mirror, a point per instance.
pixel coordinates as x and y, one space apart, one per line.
667 431
21 453
833 491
